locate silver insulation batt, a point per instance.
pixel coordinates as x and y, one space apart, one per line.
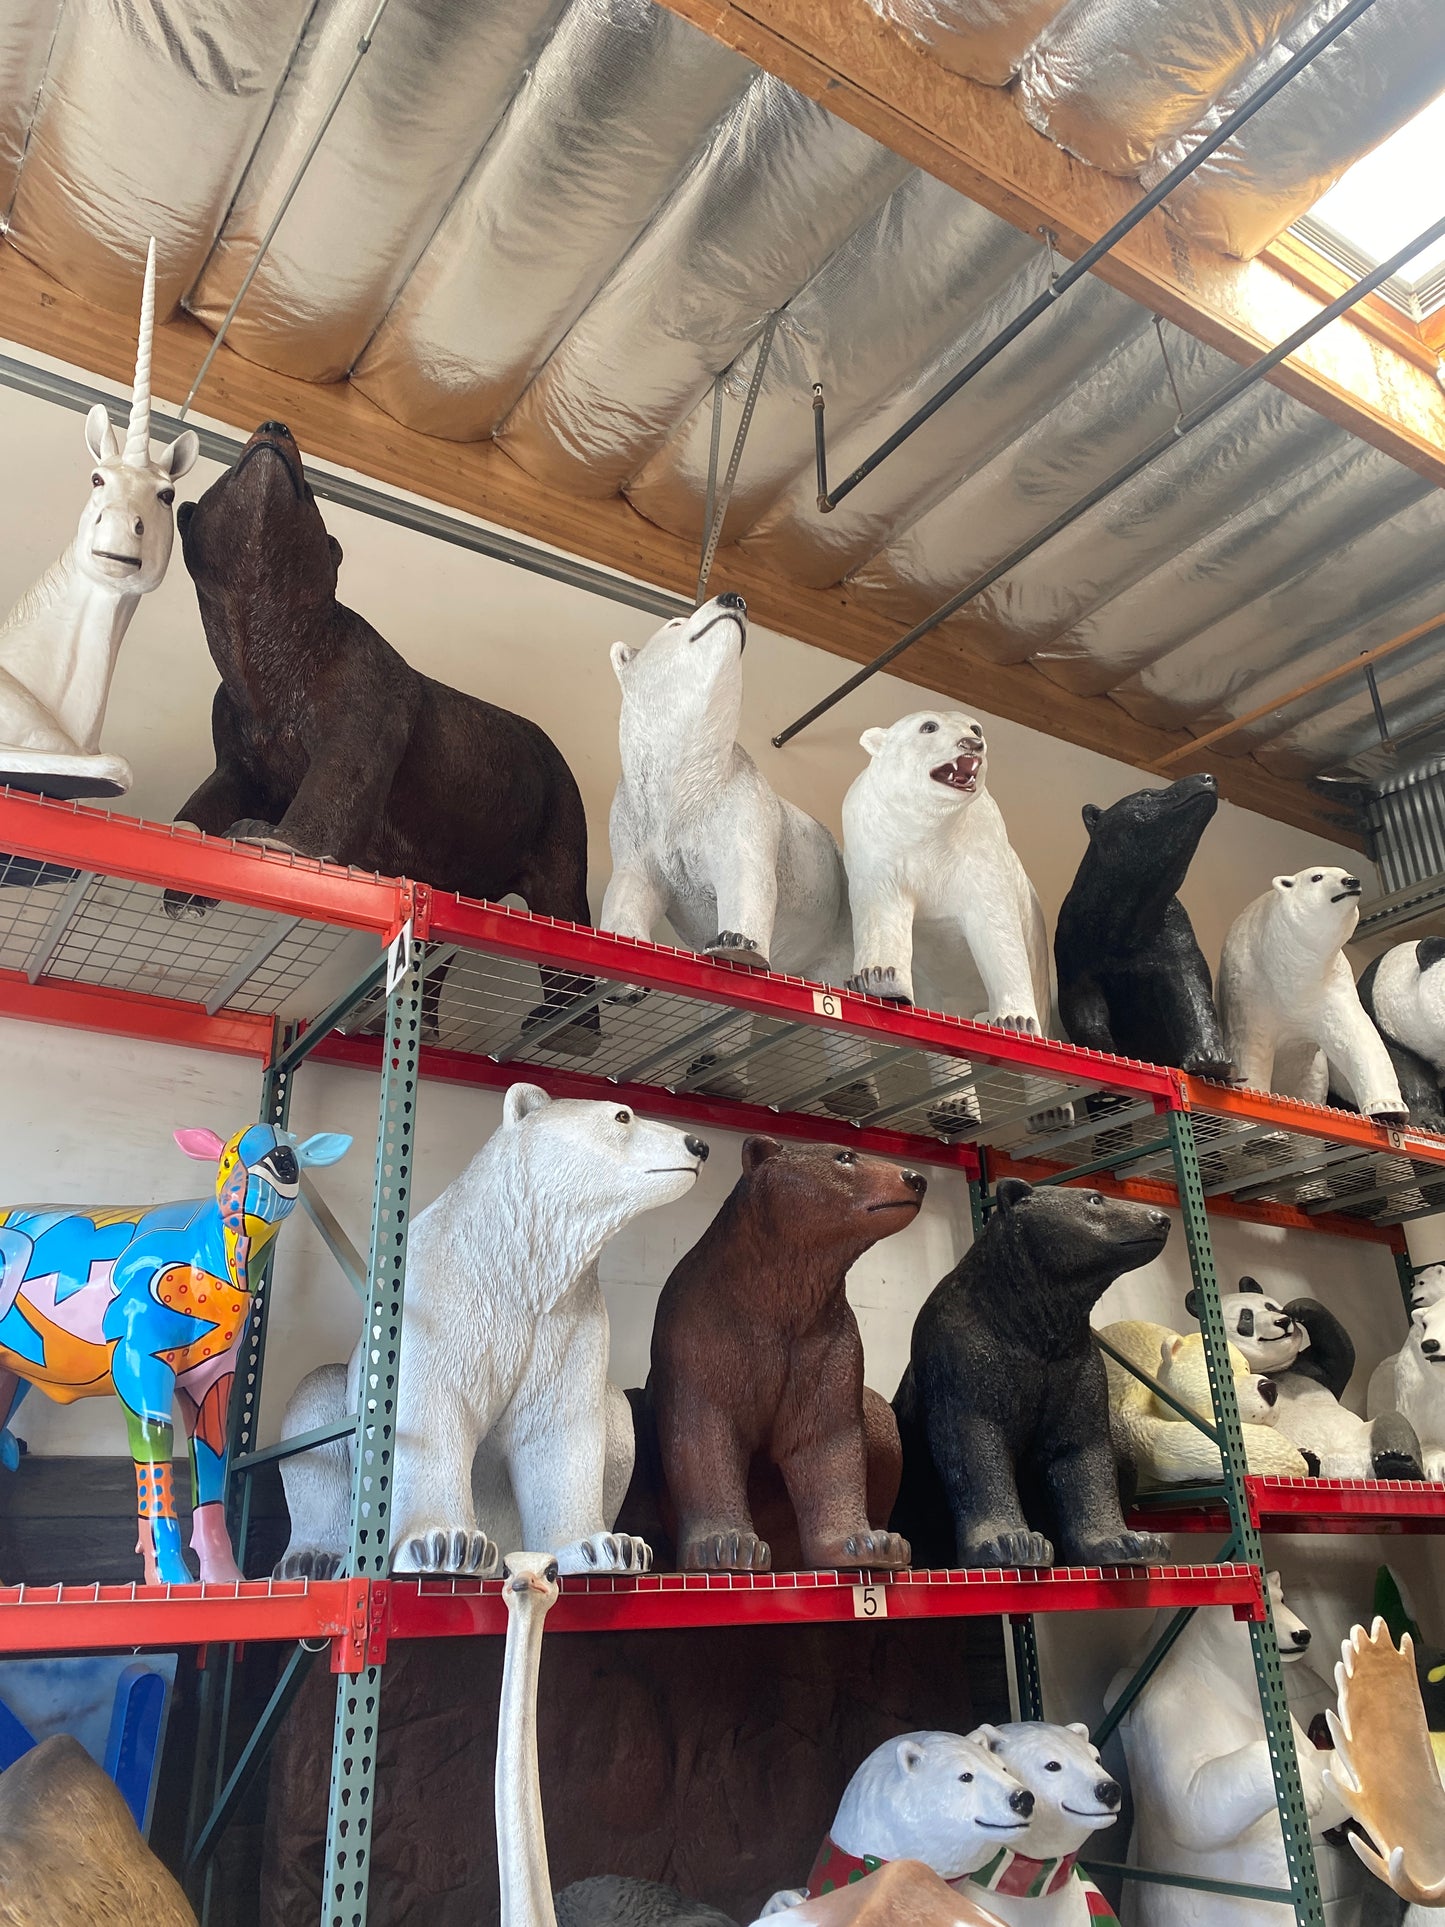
27 29
984 39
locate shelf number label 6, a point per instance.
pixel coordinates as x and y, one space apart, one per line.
827 1004
870 1602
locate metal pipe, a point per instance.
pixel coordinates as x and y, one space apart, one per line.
1195 1882
1060 284
1160 1392
820 448
1205 411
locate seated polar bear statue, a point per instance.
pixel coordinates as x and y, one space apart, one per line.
508 1431
1200 1775
1288 1002
1411 1383
1158 1446
929 858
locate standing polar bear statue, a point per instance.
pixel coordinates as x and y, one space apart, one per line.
1288 1001
928 857
508 1431
1200 1774
698 834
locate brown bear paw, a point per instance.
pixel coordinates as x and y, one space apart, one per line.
727 1552
731 946
878 982
1124 1549
884 1551
1026 1549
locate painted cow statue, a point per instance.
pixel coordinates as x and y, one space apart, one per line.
150 1302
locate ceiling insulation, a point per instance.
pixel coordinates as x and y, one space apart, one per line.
553 222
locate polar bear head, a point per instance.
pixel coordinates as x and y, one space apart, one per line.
934 758
1290 1631
1320 907
1260 1326
1427 1330
1428 1286
1073 1795
1184 1372
689 672
934 1797
560 1176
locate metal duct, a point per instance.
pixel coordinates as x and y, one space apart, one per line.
1112 79
618 101
781 185
27 28
985 39
1324 501
147 115
1065 348
1358 584
414 119
1123 406
896 293
1375 77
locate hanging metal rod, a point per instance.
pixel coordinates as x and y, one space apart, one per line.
719 499
1060 284
1206 410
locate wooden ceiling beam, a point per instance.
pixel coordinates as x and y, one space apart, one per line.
335 423
868 72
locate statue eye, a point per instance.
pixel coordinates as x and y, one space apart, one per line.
624 1117
1318 877
1053 1766
845 1157
927 729
965 1777
1096 1197
166 495
97 481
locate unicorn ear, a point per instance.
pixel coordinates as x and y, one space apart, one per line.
201 1144
100 436
325 1148
179 457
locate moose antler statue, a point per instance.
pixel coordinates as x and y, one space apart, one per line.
58 646
1384 1765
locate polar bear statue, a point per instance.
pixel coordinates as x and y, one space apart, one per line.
1153 1441
1309 1358
936 1797
928 857
1412 1383
1427 1287
1288 1002
508 1431
1199 1771
1037 1883
698 834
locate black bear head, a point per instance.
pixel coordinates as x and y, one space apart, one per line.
1150 836
257 528
1064 1247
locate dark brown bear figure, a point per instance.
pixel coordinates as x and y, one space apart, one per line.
756 1354
329 743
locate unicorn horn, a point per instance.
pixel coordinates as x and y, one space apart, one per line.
137 453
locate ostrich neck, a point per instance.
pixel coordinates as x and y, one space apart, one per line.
526 1883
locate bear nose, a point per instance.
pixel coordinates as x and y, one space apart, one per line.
915 1181
1159 1220
730 599
1300 1637
1268 1390
1350 883
1429 1344
1107 1793
696 1148
1022 1802
274 428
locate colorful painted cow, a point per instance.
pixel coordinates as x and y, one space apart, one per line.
151 1302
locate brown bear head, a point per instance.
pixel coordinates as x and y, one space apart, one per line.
257 527
827 1198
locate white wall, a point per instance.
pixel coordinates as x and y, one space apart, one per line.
90 1118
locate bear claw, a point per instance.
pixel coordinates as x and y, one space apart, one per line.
730 946
309 1562
853 1100
726 1552
1205 1064
876 981
450 1549
1127 1549
885 1550
1027 1549
606 1552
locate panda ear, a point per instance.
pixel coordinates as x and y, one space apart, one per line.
1282 884
1191 1303
1428 952
909 1755
1011 1191
873 740
1251 1284
1091 813
521 1100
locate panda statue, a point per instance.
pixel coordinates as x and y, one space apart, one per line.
1310 1357
1403 991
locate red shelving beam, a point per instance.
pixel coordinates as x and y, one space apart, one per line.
1306 1505
89 1619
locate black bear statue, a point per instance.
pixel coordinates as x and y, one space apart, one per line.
1132 978
1003 1410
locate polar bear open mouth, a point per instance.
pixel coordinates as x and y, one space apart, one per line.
960 774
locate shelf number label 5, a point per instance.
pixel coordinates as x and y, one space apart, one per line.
870 1602
827 1003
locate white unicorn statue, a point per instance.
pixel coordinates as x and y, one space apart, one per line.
59 644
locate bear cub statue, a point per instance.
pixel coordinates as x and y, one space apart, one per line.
1132 978
928 858
756 1356
1310 1359
508 1430
1403 993
1288 1000
1004 1409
